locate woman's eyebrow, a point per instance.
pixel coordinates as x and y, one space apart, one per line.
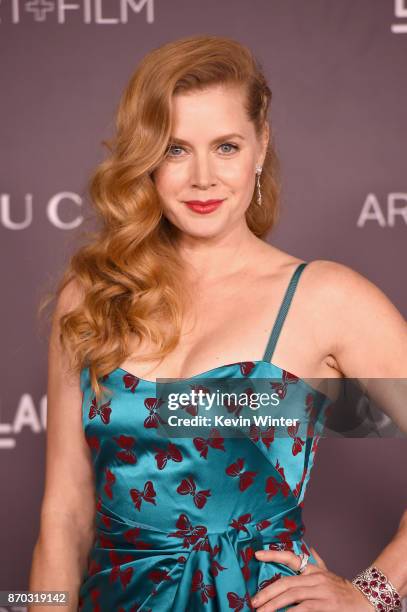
174 139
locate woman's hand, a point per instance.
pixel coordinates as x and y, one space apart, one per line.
316 589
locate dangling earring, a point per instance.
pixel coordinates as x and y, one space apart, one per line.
258 173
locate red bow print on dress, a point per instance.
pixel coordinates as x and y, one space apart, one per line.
281 387
207 590
148 495
126 443
103 411
236 470
214 440
163 455
189 534
188 487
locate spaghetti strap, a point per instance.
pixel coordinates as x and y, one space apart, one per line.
282 313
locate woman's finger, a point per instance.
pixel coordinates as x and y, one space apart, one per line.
292 596
285 557
284 584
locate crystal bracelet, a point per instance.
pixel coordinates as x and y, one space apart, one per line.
378 589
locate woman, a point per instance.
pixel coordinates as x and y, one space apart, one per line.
179 282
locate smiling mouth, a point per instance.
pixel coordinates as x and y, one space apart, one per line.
202 208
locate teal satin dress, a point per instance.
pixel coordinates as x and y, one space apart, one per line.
178 520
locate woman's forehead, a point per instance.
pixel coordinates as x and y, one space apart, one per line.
215 112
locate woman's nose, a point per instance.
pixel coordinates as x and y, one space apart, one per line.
202 172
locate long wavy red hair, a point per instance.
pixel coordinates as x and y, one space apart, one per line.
129 269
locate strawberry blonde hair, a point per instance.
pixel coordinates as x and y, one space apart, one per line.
129 270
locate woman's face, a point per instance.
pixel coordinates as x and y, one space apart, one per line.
212 155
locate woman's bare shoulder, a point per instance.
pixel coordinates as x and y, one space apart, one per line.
370 332
356 306
326 276
337 281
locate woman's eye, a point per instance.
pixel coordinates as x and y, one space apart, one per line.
171 148
229 144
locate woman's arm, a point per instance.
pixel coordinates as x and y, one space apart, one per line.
363 333
318 589
366 331
59 559
371 342
368 336
68 507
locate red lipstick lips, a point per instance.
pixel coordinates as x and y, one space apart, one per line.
203 207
